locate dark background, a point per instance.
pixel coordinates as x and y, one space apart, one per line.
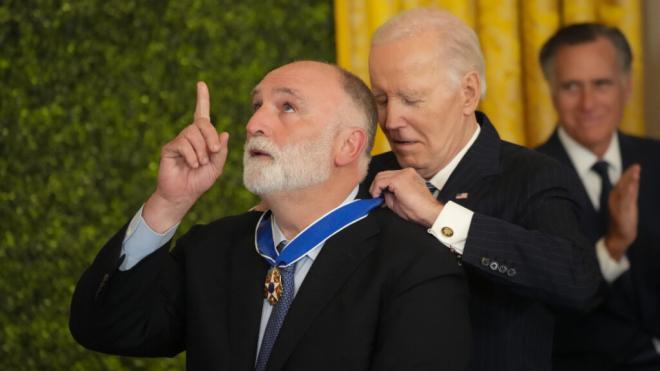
90 90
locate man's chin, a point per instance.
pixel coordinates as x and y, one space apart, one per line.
261 190
268 186
259 182
258 162
405 159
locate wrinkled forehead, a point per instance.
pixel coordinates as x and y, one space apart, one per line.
594 58
311 82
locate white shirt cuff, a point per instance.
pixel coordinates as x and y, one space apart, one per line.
141 240
610 268
452 225
656 344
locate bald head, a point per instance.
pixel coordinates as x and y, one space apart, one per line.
457 44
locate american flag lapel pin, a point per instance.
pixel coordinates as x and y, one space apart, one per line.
461 196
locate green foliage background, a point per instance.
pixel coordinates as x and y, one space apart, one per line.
89 92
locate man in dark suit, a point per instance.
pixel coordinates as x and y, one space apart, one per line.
588 69
345 288
504 210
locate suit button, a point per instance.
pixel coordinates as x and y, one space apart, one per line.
485 261
511 272
494 266
447 232
502 268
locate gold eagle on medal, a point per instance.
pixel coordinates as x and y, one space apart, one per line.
273 286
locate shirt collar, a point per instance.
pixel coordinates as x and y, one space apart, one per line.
583 159
278 236
440 178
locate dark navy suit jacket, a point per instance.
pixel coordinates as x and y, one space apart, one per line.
619 329
525 221
379 296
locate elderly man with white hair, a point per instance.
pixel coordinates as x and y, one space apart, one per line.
506 212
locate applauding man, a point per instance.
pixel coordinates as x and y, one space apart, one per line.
588 68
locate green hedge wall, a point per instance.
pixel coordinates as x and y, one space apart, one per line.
89 92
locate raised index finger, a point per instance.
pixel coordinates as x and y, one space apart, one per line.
202 109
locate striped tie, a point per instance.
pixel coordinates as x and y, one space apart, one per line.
431 187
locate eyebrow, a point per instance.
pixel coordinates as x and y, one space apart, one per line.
282 90
288 91
410 93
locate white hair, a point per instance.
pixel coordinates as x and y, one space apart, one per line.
458 44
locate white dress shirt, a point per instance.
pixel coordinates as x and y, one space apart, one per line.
583 160
453 215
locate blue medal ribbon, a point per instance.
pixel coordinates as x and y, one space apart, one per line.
312 236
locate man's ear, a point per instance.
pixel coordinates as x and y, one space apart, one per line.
350 145
471 90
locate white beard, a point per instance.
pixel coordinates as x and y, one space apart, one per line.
292 167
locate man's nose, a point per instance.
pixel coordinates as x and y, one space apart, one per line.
390 118
587 99
258 123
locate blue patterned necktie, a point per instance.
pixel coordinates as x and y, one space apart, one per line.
600 168
277 315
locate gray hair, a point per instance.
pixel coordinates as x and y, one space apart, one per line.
582 33
458 43
363 101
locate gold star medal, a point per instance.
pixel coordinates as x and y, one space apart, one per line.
313 236
273 286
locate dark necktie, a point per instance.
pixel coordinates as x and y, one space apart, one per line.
431 187
442 195
277 315
600 167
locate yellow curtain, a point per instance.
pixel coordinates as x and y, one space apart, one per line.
511 34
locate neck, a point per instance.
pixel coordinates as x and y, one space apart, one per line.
460 140
296 210
600 149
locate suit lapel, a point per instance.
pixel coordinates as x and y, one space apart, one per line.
628 151
340 256
556 150
248 272
480 161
